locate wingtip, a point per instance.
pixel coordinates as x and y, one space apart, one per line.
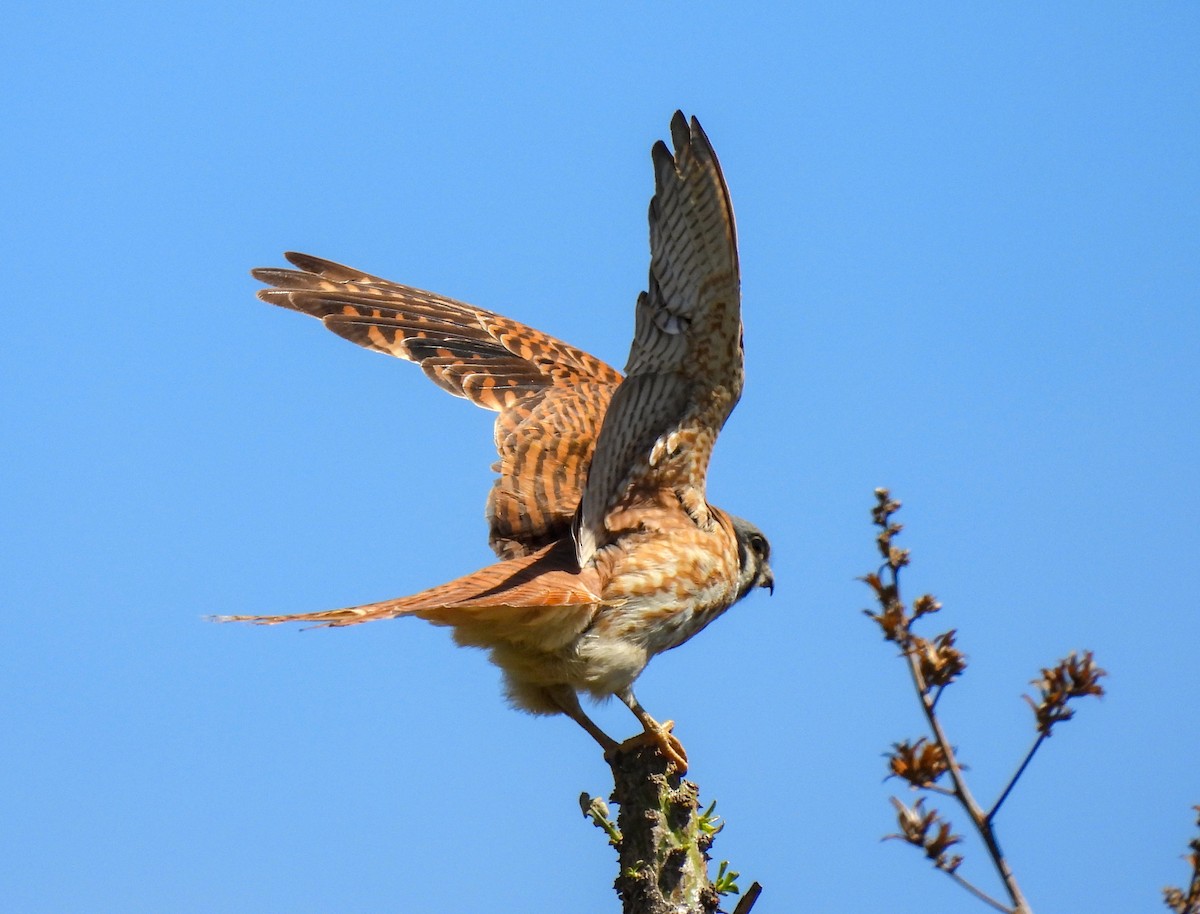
661 156
681 134
700 138
283 276
268 275
688 138
303 261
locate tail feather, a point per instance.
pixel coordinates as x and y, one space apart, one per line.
330 618
506 596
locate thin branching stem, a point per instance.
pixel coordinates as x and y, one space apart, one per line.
1016 777
938 788
980 894
936 696
961 791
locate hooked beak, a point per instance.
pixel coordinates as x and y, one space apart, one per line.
767 579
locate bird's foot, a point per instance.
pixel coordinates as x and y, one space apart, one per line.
660 737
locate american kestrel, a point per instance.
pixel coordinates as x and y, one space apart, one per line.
609 550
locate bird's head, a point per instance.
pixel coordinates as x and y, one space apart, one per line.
753 554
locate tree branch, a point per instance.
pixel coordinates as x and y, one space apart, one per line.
662 838
962 792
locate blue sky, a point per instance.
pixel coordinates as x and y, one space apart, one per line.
970 245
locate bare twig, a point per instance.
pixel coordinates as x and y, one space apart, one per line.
981 895
963 793
1012 782
747 902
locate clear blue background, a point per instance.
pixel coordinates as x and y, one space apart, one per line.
971 264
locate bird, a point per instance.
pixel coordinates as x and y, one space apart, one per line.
608 549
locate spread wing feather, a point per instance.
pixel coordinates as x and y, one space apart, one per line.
685 367
550 396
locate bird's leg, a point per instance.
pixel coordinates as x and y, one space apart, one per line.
568 702
659 734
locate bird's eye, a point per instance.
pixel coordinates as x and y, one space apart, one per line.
758 543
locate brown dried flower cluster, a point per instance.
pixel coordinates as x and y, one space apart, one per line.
920 763
929 831
937 659
1074 677
941 662
1187 900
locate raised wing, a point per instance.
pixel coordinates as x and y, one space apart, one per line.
684 374
551 397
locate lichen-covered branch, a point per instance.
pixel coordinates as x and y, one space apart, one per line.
662 839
